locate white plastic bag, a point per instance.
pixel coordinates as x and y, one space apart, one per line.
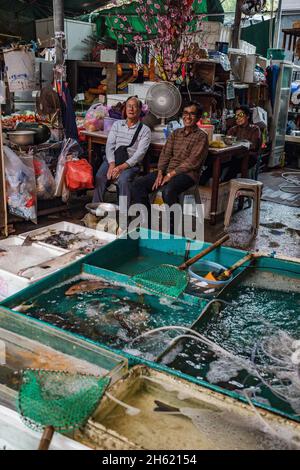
45 182
70 150
21 185
94 119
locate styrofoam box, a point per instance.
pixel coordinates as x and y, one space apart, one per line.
212 32
247 47
13 263
10 284
73 228
140 89
205 194
77 32
112 100
251 60
14 435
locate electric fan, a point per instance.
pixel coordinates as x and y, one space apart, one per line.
164 101
295 93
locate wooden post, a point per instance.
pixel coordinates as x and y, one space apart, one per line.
237 24
3 205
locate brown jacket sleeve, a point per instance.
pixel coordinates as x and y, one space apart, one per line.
256 139
197 155
166 154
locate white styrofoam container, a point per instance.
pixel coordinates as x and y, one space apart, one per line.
212 32
205 195
76 32
14 435
251 60
112 100
247 47
140 89
39 254
104 237
10 284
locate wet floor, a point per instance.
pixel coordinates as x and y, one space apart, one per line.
279 230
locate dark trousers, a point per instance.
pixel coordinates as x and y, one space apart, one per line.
124 182
142 187
233 169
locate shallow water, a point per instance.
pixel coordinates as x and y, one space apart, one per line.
113 315
241 328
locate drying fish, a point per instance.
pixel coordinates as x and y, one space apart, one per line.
52 264
89 286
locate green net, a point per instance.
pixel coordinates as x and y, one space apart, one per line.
163 280
59 399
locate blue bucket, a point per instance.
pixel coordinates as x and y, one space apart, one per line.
203 267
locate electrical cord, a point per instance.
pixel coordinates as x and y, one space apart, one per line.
293 178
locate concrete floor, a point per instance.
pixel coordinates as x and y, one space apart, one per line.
279 229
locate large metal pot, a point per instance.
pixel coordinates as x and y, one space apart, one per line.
42 132
21 137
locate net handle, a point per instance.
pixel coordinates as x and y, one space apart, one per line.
200 255
46 438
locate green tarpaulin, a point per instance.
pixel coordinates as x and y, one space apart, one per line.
258 35
17 16
109 26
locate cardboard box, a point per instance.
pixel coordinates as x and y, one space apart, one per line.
205 194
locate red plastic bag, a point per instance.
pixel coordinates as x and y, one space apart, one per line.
79 175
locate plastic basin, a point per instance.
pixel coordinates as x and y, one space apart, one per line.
203 267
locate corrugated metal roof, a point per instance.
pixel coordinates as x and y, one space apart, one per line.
44 8
290 5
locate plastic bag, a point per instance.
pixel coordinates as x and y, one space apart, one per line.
20 185
70 149
79 175
45 182
94 118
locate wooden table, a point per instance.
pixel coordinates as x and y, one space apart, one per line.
219 156
295 139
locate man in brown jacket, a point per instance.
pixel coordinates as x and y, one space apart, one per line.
179 164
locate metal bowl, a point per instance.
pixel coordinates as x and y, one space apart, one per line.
229 139
102 208
22 137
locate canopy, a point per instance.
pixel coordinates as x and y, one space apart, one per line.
109 26
17 16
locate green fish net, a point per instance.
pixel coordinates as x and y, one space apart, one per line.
60 399
163 280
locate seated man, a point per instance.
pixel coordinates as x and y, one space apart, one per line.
179 164
122 134
243 130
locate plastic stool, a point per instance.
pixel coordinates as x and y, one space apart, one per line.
248 188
